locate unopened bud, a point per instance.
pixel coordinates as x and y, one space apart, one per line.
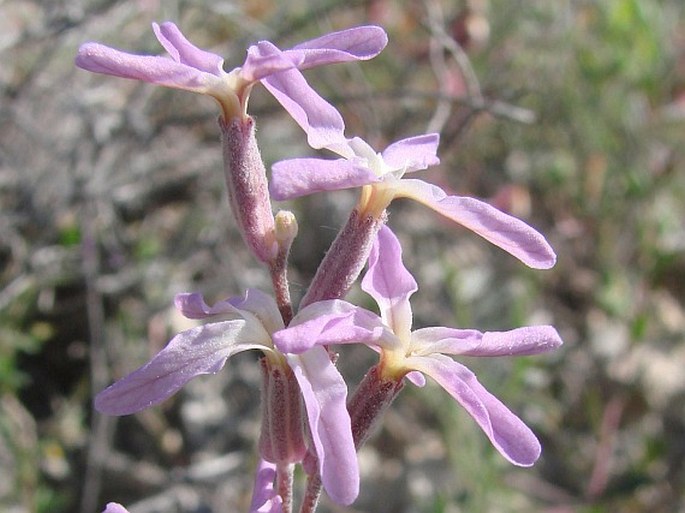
286 227
248 191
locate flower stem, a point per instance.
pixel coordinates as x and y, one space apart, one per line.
279 279
312 493
284 485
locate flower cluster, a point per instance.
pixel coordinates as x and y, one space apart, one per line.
307 416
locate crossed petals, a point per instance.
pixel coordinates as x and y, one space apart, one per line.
204 349
404 352
382 176
193 69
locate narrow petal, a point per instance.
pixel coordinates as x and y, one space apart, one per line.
427 341
114 507
389 282
200 350
507 232
413 153
153 69
183 51
529 340
192 305
294 178
510 436
264 59
325 395
264 497
255 303
333 322
358 43
261 305
322 123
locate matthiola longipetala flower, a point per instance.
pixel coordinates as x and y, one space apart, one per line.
381 178
424 351
248 323
190 68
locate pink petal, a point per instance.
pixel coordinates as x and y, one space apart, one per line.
193 306
261 305
153 69
507 232
427 341
358 43
255 302
264 59
200 350
332 322
413 153
389 282
416 378
322 123
114 507
264 497
325 395
510 436
299 177
529 340
183 51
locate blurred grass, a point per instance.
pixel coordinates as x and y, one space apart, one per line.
570 115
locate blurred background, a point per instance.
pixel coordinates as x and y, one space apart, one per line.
568 114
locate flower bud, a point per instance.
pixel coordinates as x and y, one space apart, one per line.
286 228
248 191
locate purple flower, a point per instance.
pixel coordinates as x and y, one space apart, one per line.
190 68
247 323
381 177
427 350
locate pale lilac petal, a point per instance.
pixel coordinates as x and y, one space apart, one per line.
510 436
416 378
200 350
261 305
322 123
325 395
153 69
264 59
389 282
507 232
358 43
114 507
426 341
255 302
333 322
413 153
264 497
183 51
192 305
529 340
294 178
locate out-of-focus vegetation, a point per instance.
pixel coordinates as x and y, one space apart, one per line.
570 115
